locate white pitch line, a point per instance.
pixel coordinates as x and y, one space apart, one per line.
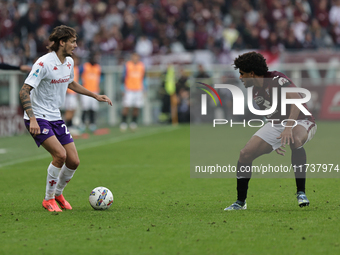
96 144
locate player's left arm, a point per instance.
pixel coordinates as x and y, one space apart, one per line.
287 134
76 87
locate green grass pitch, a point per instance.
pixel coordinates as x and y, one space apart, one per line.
158 208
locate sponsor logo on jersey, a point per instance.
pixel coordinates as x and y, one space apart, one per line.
45 131
55 68
60 80
259 100
36 73
41 64
282 81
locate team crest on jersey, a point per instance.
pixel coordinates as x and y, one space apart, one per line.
41 64
45 131
267 90
36 73
282 81
259 100
55 68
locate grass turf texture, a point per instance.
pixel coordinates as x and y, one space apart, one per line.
158 208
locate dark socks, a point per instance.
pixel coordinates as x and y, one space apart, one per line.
298 162
124 117
92 116
83 117
243 177
69 123
134 119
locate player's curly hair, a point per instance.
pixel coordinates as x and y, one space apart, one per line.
251 61
63 33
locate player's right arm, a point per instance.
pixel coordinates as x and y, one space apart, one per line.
25 100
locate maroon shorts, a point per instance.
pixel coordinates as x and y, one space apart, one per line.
51 128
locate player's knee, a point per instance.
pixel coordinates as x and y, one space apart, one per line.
76 163
60 156
298 142
73 163
245 156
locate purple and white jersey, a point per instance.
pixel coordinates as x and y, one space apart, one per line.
49 79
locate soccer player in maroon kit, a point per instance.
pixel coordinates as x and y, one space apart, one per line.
253 71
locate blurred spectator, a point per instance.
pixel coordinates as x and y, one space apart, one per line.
264 32
30 48
111 40
47 16
90 28
183 106
291 43
289 10
252 38
167 93
321 13
299 27
321 37
202 74
239 44
230 35
276 12
90 74
334 13
309 42
177 47
113 18
201 37
251 16
190 42
144 47
274 45
41 38
30 22
71 100
134 79
182 83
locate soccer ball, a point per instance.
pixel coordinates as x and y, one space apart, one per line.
101 198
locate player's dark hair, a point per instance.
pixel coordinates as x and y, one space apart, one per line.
63 33
251 61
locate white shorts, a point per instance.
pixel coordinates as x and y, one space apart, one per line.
89 103
133 99
71 102
270 132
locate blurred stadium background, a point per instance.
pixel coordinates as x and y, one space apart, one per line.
301 38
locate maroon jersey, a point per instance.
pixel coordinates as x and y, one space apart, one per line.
264 98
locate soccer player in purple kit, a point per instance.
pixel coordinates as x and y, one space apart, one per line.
253 71
42 94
